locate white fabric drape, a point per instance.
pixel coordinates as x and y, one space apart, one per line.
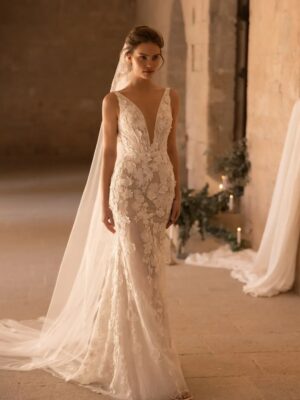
271 269
60 338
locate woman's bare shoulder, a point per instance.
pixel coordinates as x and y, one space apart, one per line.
174 98
110 102
174 93
109 98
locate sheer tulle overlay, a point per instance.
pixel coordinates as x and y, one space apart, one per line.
271 270
125 347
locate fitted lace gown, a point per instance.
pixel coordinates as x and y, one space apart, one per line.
132 355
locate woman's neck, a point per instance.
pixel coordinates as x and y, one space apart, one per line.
141 84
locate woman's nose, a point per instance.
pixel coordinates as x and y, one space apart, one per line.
149 63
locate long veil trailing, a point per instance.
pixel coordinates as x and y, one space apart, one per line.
58 341
271 270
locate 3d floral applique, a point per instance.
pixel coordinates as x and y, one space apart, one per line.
131 332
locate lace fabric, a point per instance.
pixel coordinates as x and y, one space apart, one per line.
135 349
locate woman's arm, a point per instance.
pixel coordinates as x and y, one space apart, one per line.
173 154
109 149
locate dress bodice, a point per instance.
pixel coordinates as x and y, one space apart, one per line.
132 127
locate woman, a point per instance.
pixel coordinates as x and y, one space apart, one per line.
107 325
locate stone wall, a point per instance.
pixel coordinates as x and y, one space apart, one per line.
170 22
222 76
297 277
177 77
56 63
196 34
196 17
273 87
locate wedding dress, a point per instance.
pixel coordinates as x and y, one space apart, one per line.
107 326
142 190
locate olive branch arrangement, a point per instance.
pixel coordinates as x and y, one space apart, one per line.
199 207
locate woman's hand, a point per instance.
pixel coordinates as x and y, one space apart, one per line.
108 219
175 211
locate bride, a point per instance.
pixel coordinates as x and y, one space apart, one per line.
107 325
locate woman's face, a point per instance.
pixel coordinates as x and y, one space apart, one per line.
145 59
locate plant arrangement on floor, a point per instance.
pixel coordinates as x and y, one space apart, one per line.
200 208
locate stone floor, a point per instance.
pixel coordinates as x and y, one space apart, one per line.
232 346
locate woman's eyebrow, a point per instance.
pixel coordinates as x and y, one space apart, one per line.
144 54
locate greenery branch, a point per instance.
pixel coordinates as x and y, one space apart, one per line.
199 207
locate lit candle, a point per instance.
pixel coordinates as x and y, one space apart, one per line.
239 235
221 187
231 202
171 233
225 181
174 235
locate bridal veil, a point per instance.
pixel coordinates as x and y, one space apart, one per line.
59 340
272 269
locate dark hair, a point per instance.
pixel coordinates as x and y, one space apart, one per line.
143 34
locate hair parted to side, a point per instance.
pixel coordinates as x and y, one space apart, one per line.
143 34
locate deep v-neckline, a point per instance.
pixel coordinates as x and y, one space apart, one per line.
142 114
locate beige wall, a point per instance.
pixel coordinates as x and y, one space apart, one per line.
222 75
273 87
56 62
56 65
193 130
170 22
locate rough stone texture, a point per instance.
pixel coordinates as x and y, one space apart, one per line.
273 87
210 28
297 277
56 61
186 68
232 346
196 17
169 21
221 59
177 54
